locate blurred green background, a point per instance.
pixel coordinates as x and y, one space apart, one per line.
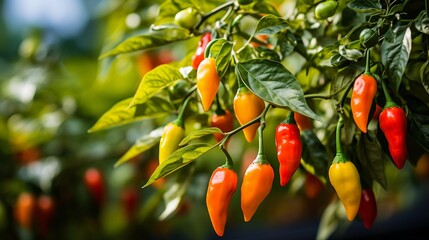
53 88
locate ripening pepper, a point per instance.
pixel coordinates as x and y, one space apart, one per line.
289 148
256 185
364 90
224 121
345 179
24 210
45 214
208 82
173 134
222 185
393 124
303 122
199 54
94 181
248 106
368 207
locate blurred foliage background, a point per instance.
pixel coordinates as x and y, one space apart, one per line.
53 88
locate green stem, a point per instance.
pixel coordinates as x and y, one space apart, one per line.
229 163
389 100
340 124
343 98
219 110
368 62
317 95
290 119
214 11
180 117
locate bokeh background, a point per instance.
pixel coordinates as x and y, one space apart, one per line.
57 181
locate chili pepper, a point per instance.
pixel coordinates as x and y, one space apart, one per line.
188 18
256 185
224 122
248 106
24 210
325 9
199 54
207 82
94 181
364 90
289 148
130 200
303 122
393 124
345 179
171 137
312 186
222 185
45 213
368 207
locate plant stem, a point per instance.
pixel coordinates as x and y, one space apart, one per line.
214 11
229 163
317 95
340 125
180 118
368 62
343 98
389 100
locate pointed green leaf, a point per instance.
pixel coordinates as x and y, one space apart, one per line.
199 134
395 51
178 159
371 157
154 81
271 81
121 113
149 40
365 6
270 24
142 144
314 154
343 79
422 22
221 50
424 75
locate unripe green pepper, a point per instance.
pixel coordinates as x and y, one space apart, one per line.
326 9
188 18
368 37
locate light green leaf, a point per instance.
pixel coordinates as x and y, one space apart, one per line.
149 40
365 6
271 81
395 52
199 134
143 144
178 159
121 113
221 50
270 24
154 81
350 54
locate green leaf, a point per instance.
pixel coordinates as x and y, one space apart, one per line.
422 22
154 81
262 7
271 81
395 51
121 113
149 40
314 154
178 159
142 144
365 6
424 75
371 156
221 50
343 79
350 54
419 129
270 24
199 134
287 42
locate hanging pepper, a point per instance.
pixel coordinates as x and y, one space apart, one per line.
207 82
289 148
24 210
199 54
222 185
247 106
257 182
368 207
393 124
312 186
223 120
303 122
45 213
345 179
364 90
173 134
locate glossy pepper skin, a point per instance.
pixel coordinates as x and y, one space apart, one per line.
171 137
289 149
364 90
368 208
393 123
256 185
207 82
248 106
222 185
199 54
224 122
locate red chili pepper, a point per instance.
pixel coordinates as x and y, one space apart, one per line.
393 124
312 186
199 54
222 186
224 121
303 122
130 200
289 148
95 183
45 213
368 207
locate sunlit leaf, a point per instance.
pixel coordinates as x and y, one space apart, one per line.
270 24
422 22
271 81
199 134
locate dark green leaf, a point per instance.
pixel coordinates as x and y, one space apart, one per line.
365 6
199 134
178 159
422 22
262 7
419 129
371 157
287 42
221 50
149 40
424 75
270 24
271 81
142 144
121 113
154 81
314 155
395 51
343 80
